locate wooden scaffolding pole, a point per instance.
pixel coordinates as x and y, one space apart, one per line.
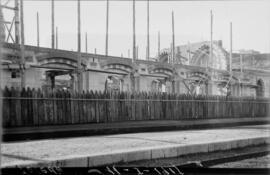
230 47
107 29
22 65
134 33
158 43
56 37
137 52
37 29
79 73
148 40
17 22
211 40
86 43
241 75
173 42
52 6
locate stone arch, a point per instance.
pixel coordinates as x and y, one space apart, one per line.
260 88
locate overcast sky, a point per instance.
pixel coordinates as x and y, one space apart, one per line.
251 24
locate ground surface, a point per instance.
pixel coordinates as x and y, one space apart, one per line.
35 151
200 157
258 162
94 129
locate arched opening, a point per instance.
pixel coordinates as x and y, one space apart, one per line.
114 84
154 86
162 85
260 88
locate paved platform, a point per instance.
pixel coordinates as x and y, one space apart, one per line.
61 131
103 150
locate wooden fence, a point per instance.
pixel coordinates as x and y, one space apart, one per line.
31 107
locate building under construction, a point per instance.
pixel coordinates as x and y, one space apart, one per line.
196 68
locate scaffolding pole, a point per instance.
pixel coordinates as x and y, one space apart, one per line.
189 53
241 75
148 40
173 44
134 33
37 29
52 6
79 76
56 37
17 22
22 66
230 47
107 29
158 43
86 43
211 40
137 52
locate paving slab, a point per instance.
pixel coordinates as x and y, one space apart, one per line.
109 149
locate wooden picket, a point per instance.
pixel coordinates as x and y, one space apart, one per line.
33 107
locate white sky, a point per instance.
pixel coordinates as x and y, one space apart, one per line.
251 24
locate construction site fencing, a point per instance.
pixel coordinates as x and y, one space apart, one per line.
33 107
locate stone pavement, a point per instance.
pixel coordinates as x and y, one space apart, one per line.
102 150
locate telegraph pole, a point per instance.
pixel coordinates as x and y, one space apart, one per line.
79 47
37 29
173 44
134 33
52 24
17 22
22 66
148 40
107 29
